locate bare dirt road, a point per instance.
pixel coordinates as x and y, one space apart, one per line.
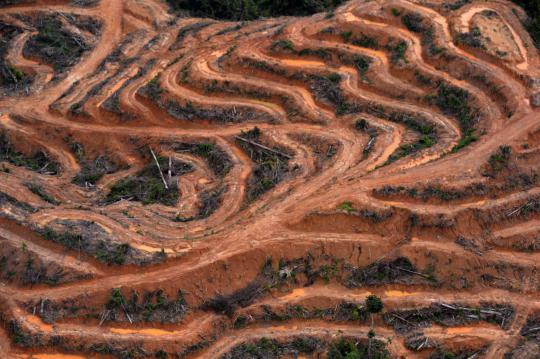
178 187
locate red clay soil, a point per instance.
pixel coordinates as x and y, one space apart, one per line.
187 186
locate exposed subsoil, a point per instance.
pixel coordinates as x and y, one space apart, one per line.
180 187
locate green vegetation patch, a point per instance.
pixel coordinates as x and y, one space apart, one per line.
428 136
104 251
10 77
91 170
39 161
88 237
271 164
454 101
151 306
342 348
354 349
399 270
498 161
398 51
147 185
36 189
54 44
271 348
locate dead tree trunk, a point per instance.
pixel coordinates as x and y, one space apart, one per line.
159 169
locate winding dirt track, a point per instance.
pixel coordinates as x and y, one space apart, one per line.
350 198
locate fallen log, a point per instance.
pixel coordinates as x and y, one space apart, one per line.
263 147
159 169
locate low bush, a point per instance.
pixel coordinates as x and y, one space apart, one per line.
498 161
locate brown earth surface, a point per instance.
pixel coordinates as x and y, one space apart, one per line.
387 148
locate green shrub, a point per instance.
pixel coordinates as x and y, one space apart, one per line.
413 22
346 35
116 300
282 45
454 101
346 206
204 149
362 64
397 51
374 304
498 161
465 140
365 41
334 77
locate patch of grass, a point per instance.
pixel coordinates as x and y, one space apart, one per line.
92 171
334 77
327 89
455 101
115 255
320 53
11 78
422 79
10 75
456 4
147 191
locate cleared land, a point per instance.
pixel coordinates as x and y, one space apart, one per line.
359 182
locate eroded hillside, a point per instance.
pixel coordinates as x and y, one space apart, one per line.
179 187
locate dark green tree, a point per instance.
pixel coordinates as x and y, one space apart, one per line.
374 305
